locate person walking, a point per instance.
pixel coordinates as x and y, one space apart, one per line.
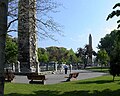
65 68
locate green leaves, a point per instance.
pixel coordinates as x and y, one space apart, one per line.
116 5
115 52
107 42
115 13
11 50
103 56
59 54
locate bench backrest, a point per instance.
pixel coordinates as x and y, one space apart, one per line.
9 75
35 76
74 75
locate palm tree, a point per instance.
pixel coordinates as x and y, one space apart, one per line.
115 13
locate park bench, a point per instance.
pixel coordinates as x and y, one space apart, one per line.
36 78
72 76
9 76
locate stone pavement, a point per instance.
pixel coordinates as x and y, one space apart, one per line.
60 77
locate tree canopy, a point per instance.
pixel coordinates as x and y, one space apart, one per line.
11 50
103 57
57 54
107 42
115 13
115 52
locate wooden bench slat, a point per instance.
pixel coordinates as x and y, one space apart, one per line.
72 76
9 76
35 76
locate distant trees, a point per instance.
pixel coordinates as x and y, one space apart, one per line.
57 54
103 57
72 58
81 53
11 50
84 54
43 55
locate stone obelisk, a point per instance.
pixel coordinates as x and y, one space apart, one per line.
90 49
27 47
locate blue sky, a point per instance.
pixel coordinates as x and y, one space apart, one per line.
81 18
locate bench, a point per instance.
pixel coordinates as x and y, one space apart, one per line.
9 76
36 78
72 76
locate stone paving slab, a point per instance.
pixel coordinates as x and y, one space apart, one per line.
60 77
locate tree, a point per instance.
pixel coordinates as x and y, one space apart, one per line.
3 31
115 13
103 57
115 61
114 58
11 50
107 42
42 55
72 58
58 54
46 25
83 55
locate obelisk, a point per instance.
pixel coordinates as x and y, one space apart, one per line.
90 49
27 47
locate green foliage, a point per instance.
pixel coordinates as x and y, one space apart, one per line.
82 52
115 13
59 54
42 55
71 57
85 53
114 58
107 42
11 50
103 57
98 69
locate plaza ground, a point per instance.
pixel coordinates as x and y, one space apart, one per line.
60 77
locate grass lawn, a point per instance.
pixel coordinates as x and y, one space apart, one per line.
100 86
98 69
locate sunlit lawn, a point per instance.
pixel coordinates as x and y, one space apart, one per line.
100 86
99 69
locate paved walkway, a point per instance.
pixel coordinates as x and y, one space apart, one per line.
60 77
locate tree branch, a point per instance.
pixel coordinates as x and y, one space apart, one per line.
11 22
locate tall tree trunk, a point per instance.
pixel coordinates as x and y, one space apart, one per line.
3 31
